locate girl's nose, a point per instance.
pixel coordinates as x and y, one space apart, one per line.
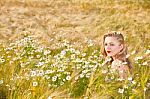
108 48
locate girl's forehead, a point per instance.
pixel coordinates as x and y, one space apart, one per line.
111 39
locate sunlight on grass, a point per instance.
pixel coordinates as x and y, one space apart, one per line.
51 49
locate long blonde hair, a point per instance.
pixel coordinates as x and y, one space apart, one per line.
123 53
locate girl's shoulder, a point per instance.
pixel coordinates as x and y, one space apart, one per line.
120 65
117 63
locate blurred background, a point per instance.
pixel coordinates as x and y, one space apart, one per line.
51 48
75 20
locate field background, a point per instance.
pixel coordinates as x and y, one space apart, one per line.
76 21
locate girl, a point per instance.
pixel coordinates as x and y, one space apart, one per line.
114 47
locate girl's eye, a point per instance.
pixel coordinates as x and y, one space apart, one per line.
111 44
106 44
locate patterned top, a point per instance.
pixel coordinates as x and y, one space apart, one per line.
120 67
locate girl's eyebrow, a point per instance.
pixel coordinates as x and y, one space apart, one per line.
109 42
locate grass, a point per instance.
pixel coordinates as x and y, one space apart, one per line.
51 49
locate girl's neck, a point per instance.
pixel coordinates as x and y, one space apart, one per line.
114 58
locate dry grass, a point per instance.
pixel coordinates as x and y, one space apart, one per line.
74 18
52 21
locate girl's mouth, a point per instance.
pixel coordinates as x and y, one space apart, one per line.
108 51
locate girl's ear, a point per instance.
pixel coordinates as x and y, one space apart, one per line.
121 46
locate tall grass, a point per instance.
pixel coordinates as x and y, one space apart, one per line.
31 70
51 49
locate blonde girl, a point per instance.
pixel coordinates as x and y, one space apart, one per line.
114 47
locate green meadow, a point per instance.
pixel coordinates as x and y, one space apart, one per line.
50 49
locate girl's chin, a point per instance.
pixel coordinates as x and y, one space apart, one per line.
109 54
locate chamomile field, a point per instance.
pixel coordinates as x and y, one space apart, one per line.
51 49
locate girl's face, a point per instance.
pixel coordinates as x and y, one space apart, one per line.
112 46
